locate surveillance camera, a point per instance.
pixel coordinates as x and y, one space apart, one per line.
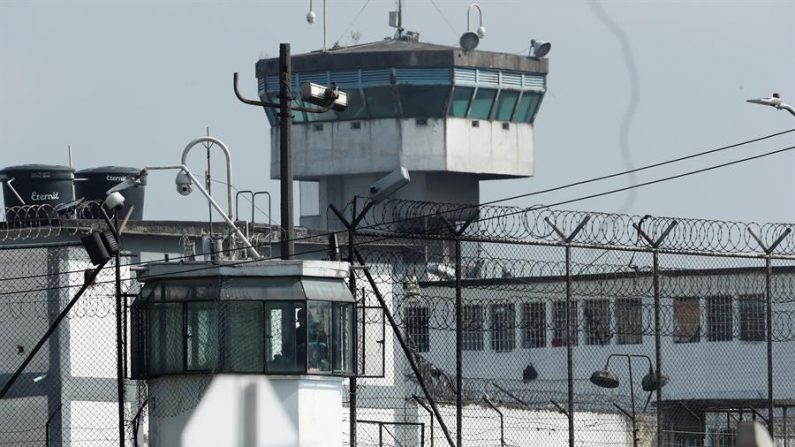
389 184
114 201
310 17
482 31
184 183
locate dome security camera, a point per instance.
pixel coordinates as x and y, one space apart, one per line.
184 183
310 17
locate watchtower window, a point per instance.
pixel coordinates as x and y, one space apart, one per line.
528 105
381 101
423 100
506 104
481 105
460 103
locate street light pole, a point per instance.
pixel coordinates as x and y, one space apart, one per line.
285 151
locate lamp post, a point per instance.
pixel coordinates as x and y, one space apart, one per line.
607 379
773 101
325 98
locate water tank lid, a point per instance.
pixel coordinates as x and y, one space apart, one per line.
38 172
110 170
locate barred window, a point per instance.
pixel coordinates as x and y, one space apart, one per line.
752 317
596 316
687 320
719 318
473 327
559 336
534 325
417 328
629 321
503 327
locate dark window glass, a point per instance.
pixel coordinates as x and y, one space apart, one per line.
381 102
596 318
343 338
417 330
285 329
201 332
245 336
528 105
473 327
503 327
534 322
687 320
752 317
629 321
460 103
423 100
559 336
319 336
505 105
719 318
356 107
481 105
165 342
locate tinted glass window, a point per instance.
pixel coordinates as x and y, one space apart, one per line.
319 337
202 336
505 105
245 336
165 338
526 111
481 105
423 100
381 102
285 331
343 337
460 103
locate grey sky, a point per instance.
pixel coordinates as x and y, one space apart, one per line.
131 82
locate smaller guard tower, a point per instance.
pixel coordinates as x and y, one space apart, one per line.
451 117
251 354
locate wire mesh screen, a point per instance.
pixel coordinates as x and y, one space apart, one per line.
68 392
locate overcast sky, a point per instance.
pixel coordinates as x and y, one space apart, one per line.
631 82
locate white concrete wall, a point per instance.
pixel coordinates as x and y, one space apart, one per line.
248 410
379 145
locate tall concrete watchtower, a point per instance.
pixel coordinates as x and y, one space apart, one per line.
451 117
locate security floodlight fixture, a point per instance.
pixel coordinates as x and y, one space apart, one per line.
604 378
323 96
773 101
184 183
389 184
539 48
649 381
469 41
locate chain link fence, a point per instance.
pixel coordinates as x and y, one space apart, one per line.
488 326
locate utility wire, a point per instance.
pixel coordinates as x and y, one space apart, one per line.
444 17
534 193
532 208
353 22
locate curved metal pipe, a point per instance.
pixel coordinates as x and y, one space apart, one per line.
228 156
480 14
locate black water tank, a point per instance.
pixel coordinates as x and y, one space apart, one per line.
93 184
48 185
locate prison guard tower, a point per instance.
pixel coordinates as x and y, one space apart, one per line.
451 117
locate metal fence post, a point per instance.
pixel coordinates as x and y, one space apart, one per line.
655 245
569 347
769 320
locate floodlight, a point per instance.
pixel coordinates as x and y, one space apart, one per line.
323 96
389 184
604 378
469 41
649 381
539 48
